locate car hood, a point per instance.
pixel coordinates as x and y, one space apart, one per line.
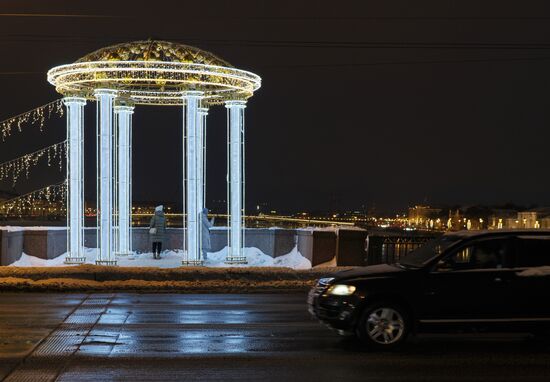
380 270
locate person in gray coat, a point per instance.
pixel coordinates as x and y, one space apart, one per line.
205 233
157 228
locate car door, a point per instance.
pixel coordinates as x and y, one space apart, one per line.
532 281
471 283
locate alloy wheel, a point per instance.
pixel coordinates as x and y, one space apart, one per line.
385 326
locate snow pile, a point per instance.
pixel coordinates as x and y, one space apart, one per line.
293 260
256 258
10 228
172 259
31 261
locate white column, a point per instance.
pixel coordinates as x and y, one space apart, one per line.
201 162
75 179
235 180
123 115
104 159
192 167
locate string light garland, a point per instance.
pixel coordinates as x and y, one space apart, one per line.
34 117
155 73
45 200
16 167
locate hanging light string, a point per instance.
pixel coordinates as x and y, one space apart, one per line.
35 116
13 169
47 199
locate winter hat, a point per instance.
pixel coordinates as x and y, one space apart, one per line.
159 208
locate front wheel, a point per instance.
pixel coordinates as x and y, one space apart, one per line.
383 326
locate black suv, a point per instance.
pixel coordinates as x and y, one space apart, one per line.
484 280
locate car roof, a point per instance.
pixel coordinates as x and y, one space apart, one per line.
499 232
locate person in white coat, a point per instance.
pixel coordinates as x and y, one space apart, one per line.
206 244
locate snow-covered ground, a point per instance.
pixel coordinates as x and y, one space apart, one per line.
13 228
172 259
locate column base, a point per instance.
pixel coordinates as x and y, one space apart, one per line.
236 260
74 260
105 262
192 263
123 254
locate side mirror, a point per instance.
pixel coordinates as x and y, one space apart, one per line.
442 266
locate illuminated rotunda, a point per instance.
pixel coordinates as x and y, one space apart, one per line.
150 73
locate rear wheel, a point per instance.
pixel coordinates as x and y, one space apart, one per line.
383 326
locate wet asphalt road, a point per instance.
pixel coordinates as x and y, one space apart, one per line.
165 337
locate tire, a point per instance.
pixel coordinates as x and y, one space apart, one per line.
384 326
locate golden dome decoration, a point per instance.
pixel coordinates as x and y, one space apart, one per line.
154 73
153 50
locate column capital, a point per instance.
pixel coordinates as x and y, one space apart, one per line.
192 94
203 110
124 101
74 101
235 103
106 92
123 109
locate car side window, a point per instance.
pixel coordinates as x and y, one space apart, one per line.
533 251
486 254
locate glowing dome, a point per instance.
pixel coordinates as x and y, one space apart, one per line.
152 50
155 73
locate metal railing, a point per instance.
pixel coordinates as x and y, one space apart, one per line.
389 249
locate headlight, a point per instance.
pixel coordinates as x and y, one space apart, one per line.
341 290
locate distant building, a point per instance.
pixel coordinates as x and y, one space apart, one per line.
535 219
423 216
528 219
455 222
502 219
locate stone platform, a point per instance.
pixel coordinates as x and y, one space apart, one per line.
317 245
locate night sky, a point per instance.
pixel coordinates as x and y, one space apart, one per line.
376 103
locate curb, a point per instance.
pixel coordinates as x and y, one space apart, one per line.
95 278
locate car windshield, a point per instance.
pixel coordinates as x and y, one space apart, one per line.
423 254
